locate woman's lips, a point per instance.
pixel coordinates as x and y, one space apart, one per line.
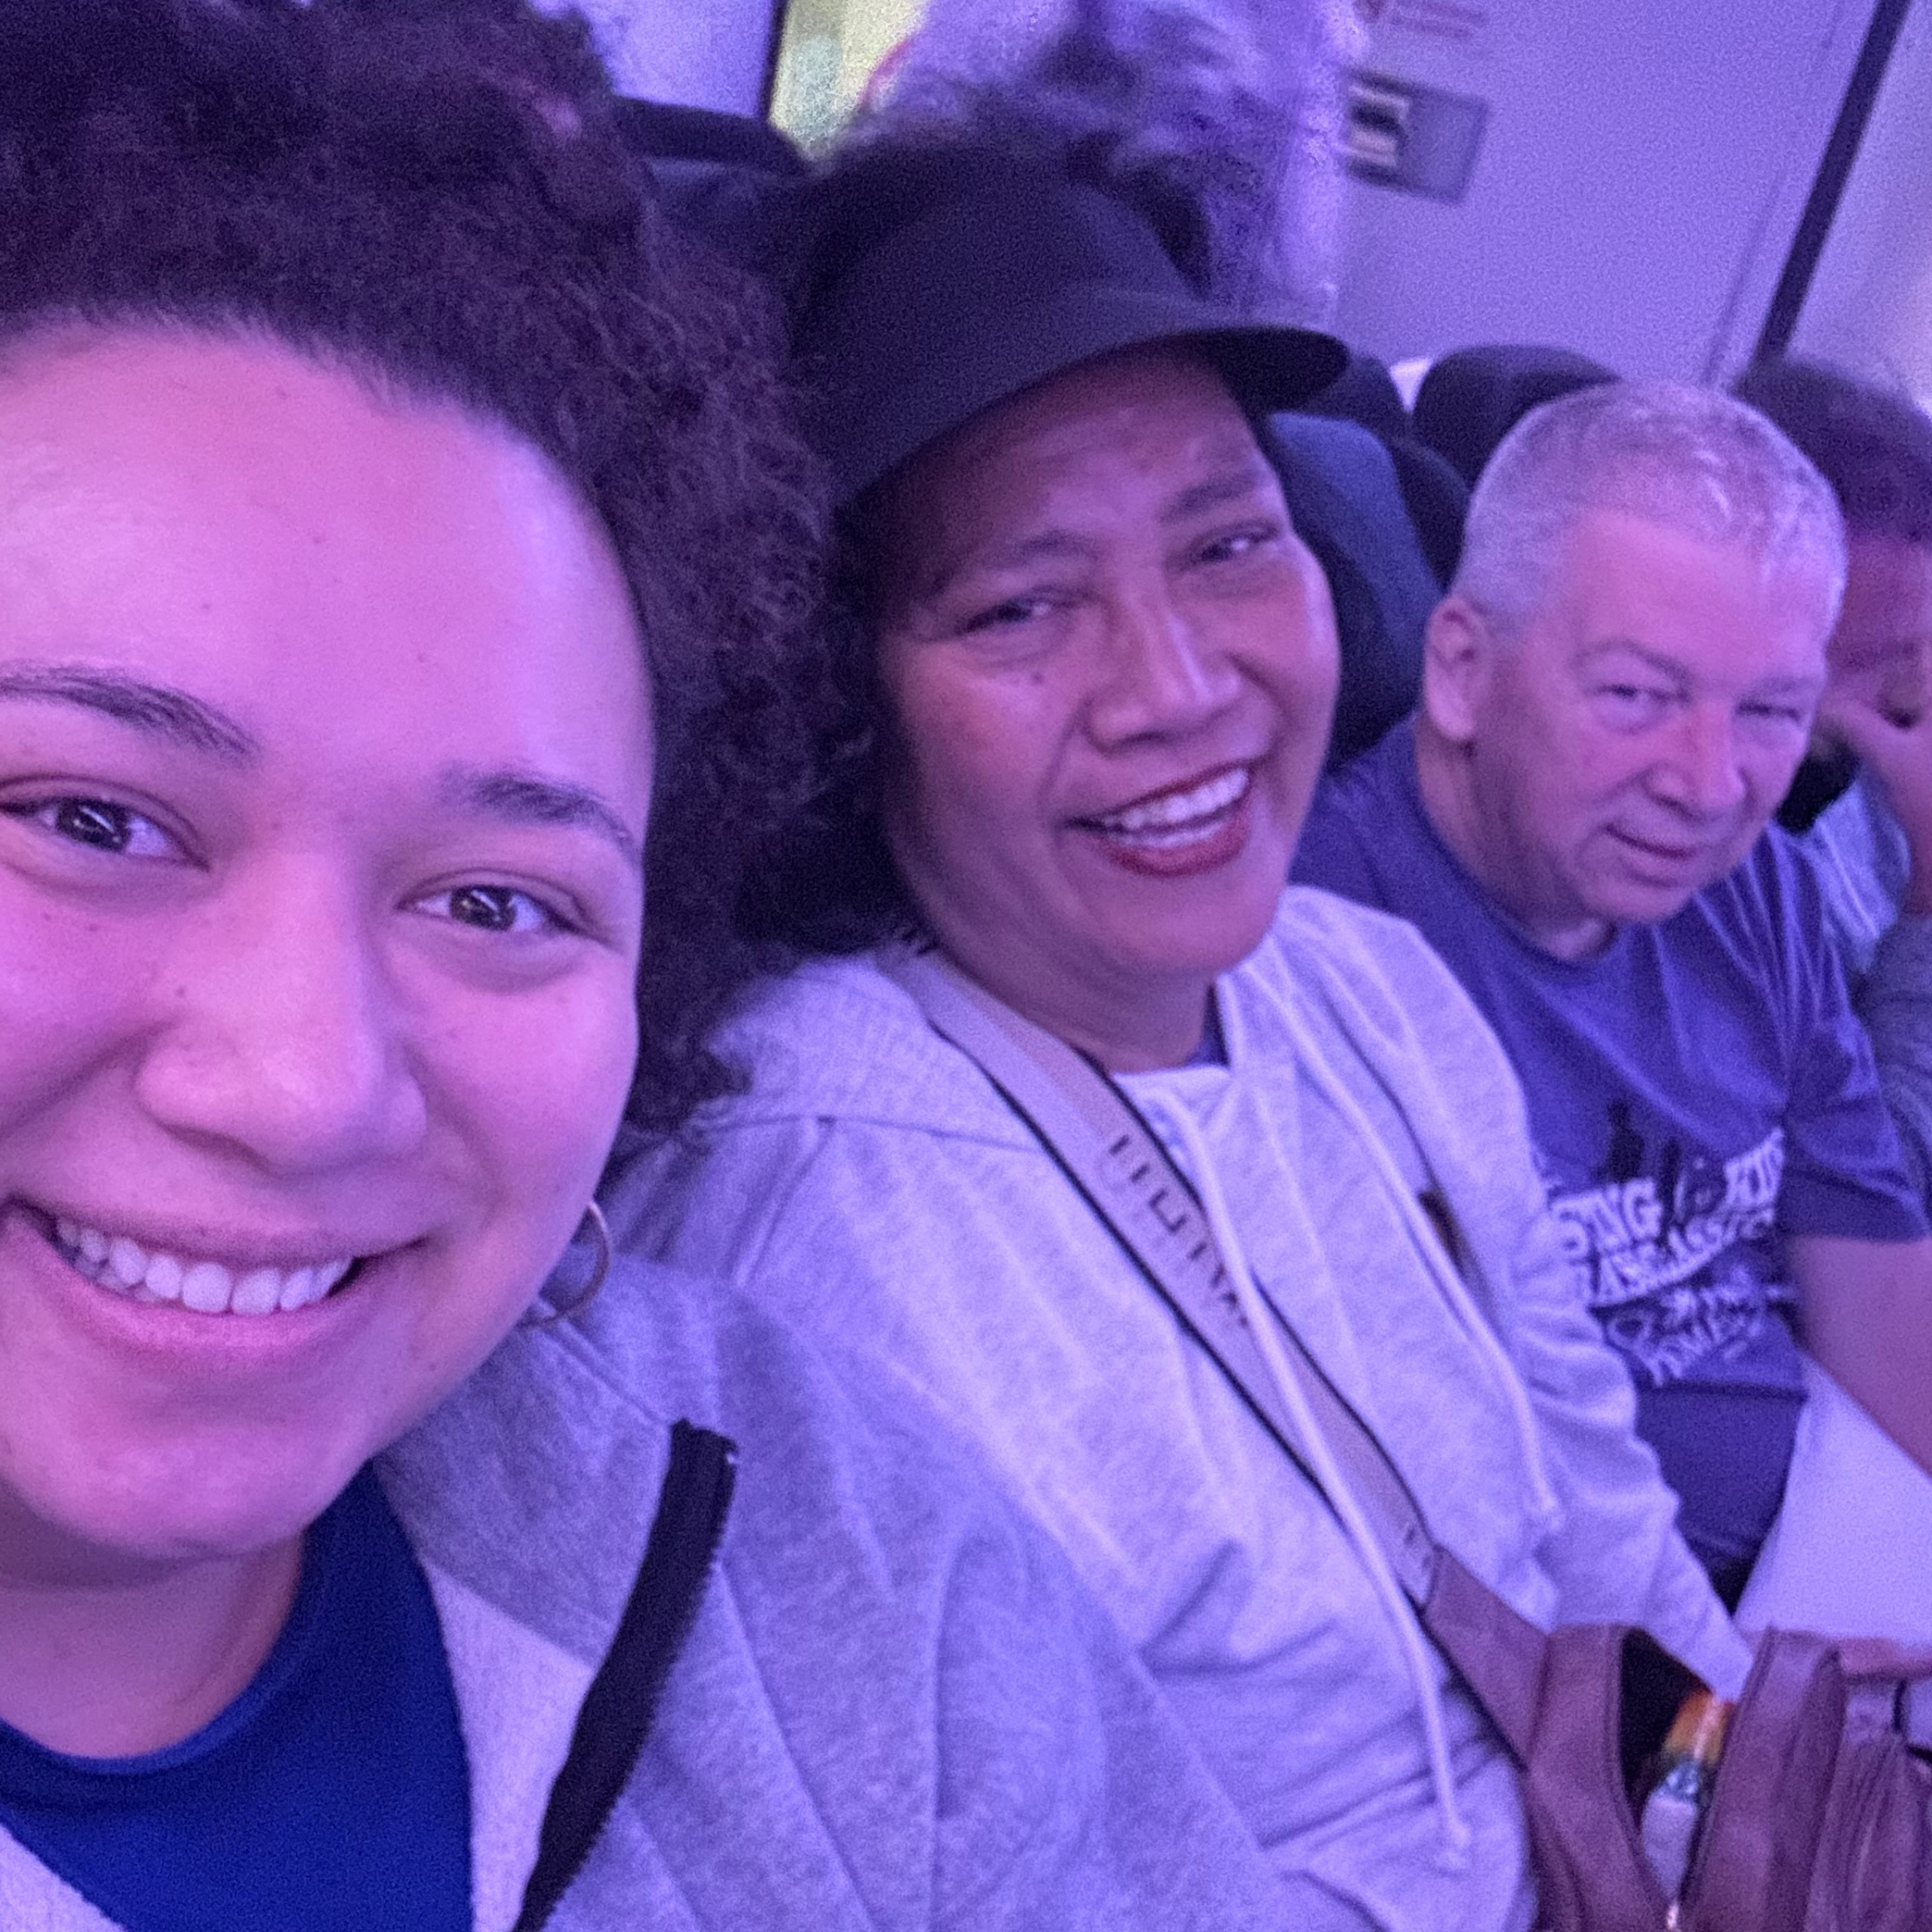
168 1337
1193 827
197 1282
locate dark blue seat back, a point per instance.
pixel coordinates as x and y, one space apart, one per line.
1346 497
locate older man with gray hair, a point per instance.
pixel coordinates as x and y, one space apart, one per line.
1616 693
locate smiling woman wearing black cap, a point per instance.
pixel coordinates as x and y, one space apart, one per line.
1088 684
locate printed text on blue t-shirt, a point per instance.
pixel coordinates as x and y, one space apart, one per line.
1659 1251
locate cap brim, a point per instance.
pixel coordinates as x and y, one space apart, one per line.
887 413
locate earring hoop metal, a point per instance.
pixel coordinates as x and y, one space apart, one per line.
599 1269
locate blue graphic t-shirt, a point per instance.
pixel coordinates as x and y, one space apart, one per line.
333 1792
1697 1091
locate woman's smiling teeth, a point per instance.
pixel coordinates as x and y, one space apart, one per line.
1178 818
208 1287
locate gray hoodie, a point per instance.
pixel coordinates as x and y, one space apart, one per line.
888 1707
874 1187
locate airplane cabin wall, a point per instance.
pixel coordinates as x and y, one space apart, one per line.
704 53
1639 179
1870 301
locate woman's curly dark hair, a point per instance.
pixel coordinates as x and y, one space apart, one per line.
437 192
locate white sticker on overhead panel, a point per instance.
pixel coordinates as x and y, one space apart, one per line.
1461 23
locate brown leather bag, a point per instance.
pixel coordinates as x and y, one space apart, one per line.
1820 1818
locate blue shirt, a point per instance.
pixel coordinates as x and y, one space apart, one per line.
1697 1091
1863 864
332 1793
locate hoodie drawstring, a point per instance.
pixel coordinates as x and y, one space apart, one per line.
1544 1508
1414 1645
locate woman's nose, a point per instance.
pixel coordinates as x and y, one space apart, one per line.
1161 674
276 1036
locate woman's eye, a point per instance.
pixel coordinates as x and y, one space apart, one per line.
495 909
1233 545
1007 615
100 823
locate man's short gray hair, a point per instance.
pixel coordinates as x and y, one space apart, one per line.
1694 461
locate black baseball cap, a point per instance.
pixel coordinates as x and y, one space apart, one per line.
992 275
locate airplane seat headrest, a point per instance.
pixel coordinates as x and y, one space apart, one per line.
1471 399
1347 501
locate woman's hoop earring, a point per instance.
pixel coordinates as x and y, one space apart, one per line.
599 1269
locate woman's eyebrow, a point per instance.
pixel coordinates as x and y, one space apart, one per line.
524 798
1043 546
1215 493
157 709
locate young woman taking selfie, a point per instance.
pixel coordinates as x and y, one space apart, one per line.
390 511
